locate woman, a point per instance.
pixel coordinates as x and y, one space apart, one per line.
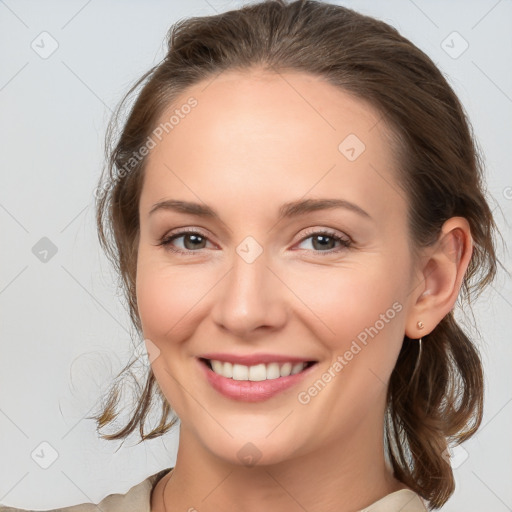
294 205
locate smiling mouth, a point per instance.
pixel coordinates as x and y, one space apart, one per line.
258 372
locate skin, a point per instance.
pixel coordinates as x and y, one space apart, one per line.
255 141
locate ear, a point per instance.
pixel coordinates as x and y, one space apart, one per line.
441 273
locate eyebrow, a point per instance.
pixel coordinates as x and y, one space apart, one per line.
286 211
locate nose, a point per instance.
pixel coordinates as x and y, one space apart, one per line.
251 298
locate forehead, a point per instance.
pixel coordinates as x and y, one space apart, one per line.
259 134
249 103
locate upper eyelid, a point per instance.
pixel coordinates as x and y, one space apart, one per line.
180 232
186 231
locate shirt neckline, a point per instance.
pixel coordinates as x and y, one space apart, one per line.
399 498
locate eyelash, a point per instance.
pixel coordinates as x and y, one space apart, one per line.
166 241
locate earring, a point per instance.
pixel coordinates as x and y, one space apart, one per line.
420 325
418 359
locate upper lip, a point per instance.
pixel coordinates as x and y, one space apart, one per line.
254 359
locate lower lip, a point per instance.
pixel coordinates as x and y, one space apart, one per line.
251 391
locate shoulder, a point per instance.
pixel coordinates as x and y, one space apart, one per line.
137 499
404 500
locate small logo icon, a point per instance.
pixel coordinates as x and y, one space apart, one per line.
45 45
44 250
45 455
152 350
249 454
454 45
455 456
99 192
146 351
249 249
351 147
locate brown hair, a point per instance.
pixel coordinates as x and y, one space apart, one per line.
440 172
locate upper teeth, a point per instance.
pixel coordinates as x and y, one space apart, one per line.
256 372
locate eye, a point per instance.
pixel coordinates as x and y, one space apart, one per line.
323 241
192 240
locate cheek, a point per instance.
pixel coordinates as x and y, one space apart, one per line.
359 319
347 300
161 302
159 295
170 297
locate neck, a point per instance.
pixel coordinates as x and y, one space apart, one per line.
340 476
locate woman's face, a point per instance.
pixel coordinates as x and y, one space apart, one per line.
272 274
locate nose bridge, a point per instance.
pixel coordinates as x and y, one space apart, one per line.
251 295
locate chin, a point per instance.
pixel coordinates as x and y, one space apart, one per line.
254 451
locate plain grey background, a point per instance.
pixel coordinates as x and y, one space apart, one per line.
65 332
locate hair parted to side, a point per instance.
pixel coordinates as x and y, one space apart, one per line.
440 171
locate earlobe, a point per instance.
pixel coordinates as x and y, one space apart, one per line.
441 277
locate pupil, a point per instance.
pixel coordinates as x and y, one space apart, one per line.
318 238
193 238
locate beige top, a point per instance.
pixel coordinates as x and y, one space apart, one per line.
138 499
